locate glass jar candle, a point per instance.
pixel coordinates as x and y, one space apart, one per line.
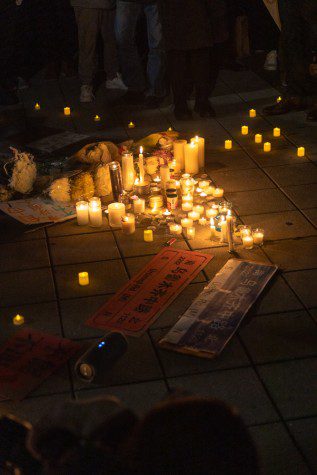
258 236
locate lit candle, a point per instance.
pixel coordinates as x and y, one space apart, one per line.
203 184
190 232
175 229
301 152
128 172
165 174
82 213
244 130
128 224
229 221
83 278
203 194
252 113
187 206
245 231
131 125
202 221
224 206
267 147
258 236
212 229
97 118
191 158
276 132
187 183
210 190
66 110
170 129
141 165
179 153
18 320
116 211
139 205
199 209
258 138
37 106
95 212
201 150
278 99
247 242
148 235
223 226
218 193
156 201
212 212
228 144
166 213
186 222
187 198
157 179
194 215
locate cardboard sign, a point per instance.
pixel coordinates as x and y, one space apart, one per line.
133 308
28 358
214 316
38 210
55 142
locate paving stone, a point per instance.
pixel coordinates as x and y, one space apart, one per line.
104 278
176 364
242 180
293 254
280 337
277 297
83 248
28 286
311 214
13 231
313 313
284 225
239 387
259 201
304 196
291 385
227 160
305 433
23 255
202 240
304 285
278 156
71 227
139 397
277 452
300 174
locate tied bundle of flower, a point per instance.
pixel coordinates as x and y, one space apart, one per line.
23 173
59 190
102 181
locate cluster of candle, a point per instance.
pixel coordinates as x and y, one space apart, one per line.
189 156
251 237
89 213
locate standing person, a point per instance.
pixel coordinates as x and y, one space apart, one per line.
94 17
299 39
128 14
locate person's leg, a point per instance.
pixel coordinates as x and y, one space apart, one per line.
200 68
177 66
127 15
110 52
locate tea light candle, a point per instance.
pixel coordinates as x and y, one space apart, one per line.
202 221
187 198
128 224
212 212
194 215
244 130
170 129
83 278
186 222
228 144
131 125
278 99
199 209
166 213
66 110
82 213
218 193
203 194
157 180
245 231
276 132
187 206
201 150
139 206
247 242
223 227
190 232
18 320
191 158
301 152
210 190
116 211
97 118
95 212
252 113
175 229
267 147
203 184
258 236
179 153
148 235
258 138
37 106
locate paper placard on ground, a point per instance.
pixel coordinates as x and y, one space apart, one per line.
55 142
28 358
134 307
214 316
38 210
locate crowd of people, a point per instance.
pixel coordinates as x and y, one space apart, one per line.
179 47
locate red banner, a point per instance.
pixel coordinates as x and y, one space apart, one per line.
133 308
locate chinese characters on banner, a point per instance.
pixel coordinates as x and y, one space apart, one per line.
214 316
133 308
38 210
28 358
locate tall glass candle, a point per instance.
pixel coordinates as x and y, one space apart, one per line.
190 232
201 150
116 179
82 213
179 153
247 242
191 158
128 172
95 212
116 211
252 113
128 224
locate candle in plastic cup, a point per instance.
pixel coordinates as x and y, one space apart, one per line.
190 232
83 278
247 242
82 213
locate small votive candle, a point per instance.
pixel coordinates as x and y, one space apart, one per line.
203 184
212 212
258 138
18 320
187 206
194 215
116 211
247 242
276 132
190 232
66 110
95 212
252 113
210 190
245 231
128 224
199 208
228 144
175 229
258 236
139 206
187 198
278 99
212 229
218 193
83 278
131 125
244 130
148 235
82 213
202 221
187 222
97 118
37 106
267 147
301 152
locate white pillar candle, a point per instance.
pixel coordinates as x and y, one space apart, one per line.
115 212
223 226
179 153
139 205
190 232
175 229
258 236
212 229
128 224
245 231
228 144
191 158
201 150
199 209
95 212
301 152
141 165
276 132
252 113
218 193
128 172
82 213
194 215
258 138
165 174
186 222
187 206
83 278
247 242
244 130
267 147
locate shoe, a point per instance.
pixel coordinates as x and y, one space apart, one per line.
152 102
116 83
312 114
205 109
284 107
86 93
270 63
183 114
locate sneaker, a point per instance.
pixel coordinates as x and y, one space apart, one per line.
86 94
270 63
116 83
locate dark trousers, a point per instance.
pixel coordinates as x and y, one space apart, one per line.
299 38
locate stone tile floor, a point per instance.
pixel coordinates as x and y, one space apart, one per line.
269 369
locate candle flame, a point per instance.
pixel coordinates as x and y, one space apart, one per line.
136 181
212 222
141 150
